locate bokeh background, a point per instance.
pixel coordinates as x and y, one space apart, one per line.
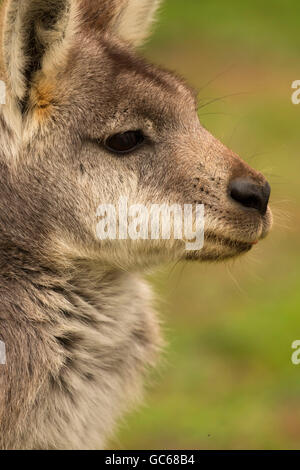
227 380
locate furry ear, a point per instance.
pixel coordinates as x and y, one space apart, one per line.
135 21
36 33
31 30
130 20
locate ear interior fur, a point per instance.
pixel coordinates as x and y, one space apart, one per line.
31 28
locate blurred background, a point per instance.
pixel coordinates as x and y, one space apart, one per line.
226 380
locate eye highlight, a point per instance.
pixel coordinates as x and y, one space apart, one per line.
125 142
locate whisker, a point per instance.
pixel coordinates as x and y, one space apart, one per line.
215 78
235 281
216 113
282 201
220 98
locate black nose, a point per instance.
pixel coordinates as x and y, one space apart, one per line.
249 194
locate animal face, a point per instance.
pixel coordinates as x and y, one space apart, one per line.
90 122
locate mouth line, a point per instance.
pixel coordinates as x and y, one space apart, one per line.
234 244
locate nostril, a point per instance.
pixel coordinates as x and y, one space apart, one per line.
249 194
245 193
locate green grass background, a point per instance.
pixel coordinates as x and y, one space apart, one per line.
227 381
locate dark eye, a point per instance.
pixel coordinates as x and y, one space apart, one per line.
126 142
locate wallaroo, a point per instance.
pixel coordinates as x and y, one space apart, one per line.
86 121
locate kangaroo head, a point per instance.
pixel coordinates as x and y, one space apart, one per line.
87 122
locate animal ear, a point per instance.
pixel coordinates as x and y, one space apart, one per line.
130 20
36 33
32 29
135 20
